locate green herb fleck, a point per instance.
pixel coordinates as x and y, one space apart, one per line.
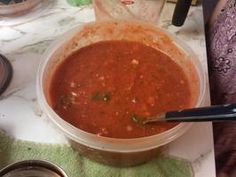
138 119
96 96
134 118
106 97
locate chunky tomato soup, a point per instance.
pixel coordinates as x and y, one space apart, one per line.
107 88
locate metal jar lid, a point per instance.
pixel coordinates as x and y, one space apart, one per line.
5 73
32 168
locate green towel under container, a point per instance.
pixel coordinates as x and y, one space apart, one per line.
75 165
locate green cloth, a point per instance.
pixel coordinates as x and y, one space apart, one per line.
78 2
76 165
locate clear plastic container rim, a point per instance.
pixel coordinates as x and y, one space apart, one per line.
115 144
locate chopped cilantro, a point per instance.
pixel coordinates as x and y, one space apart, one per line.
134 118
106 97
97 96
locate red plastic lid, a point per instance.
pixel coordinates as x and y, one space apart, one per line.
5 73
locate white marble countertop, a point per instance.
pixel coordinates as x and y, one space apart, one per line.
24 40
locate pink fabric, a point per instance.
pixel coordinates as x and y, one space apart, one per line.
222 55
222 69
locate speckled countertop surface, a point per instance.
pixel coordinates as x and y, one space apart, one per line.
23 40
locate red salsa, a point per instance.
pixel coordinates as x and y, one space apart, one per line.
107 88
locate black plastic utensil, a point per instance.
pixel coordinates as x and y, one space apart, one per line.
213 113
181 12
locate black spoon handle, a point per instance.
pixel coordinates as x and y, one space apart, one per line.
212 113
181 12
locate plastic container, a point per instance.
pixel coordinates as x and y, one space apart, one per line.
148 11
18 8
112 151
29 168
